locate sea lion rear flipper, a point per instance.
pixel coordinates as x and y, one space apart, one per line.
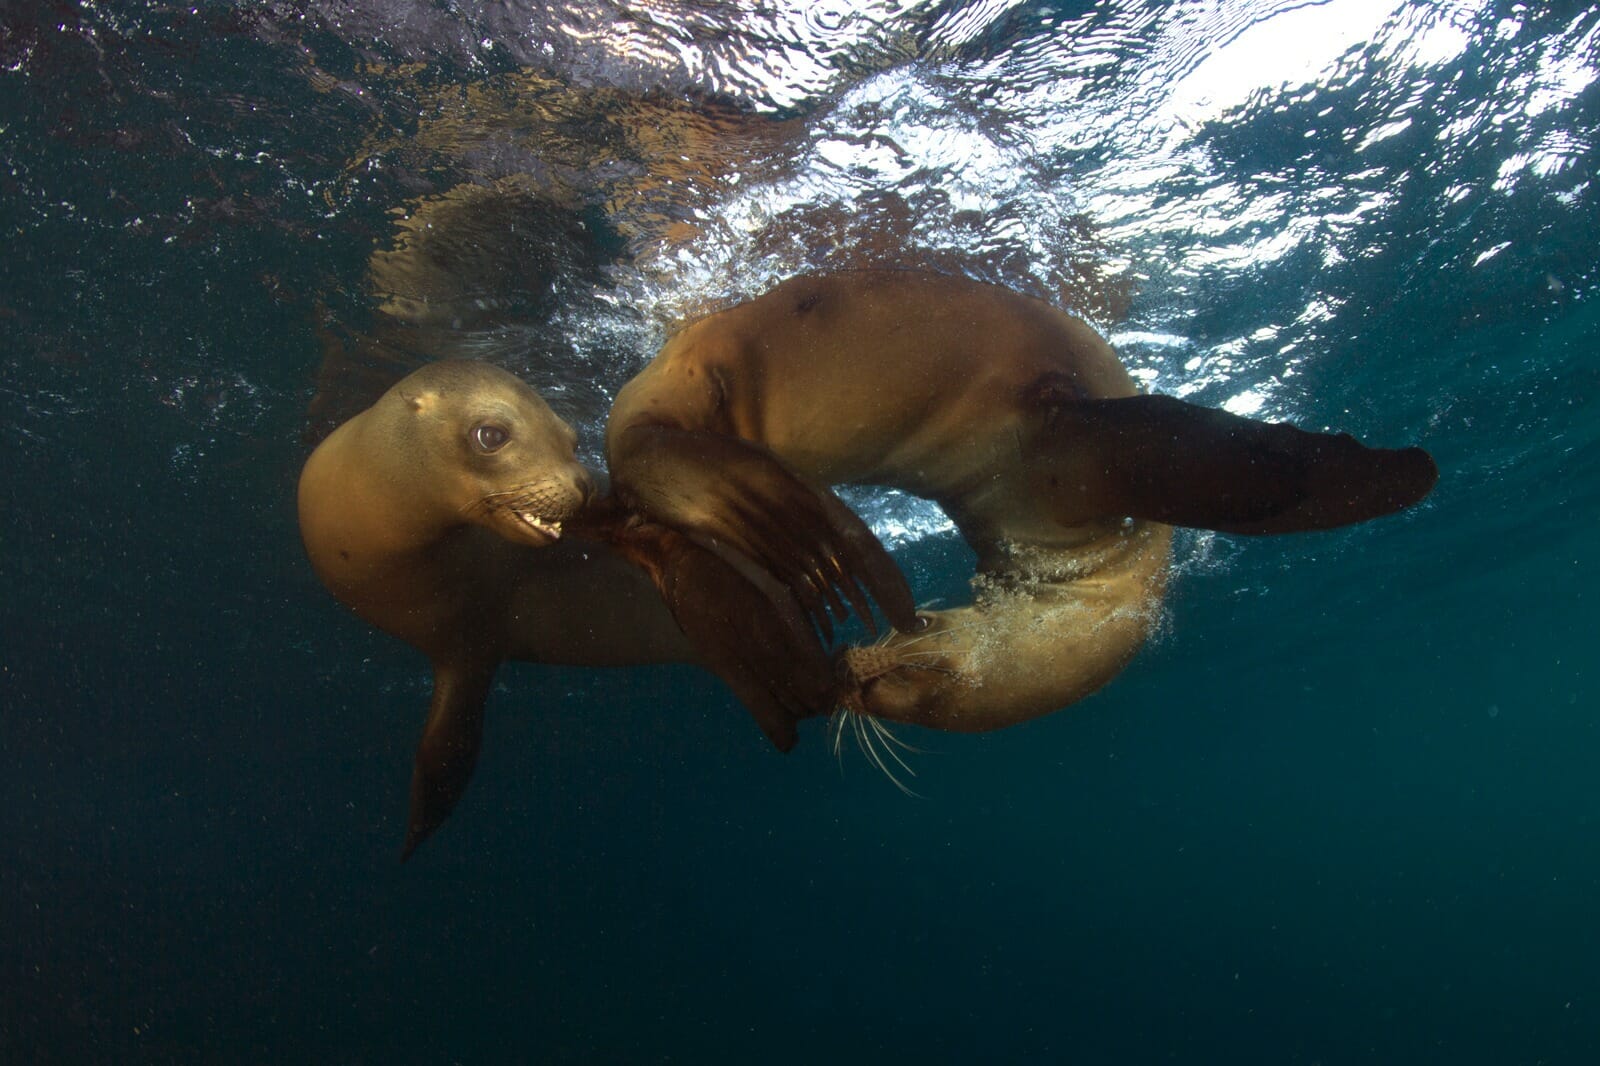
748 629
448 750
1160 458
733 494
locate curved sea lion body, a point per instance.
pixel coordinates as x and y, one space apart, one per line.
921 382
437 515
1044 630
1018 420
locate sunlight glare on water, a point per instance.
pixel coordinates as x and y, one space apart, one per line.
1172 152
1207 182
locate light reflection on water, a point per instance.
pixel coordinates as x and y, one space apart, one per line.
1217 185
1090 160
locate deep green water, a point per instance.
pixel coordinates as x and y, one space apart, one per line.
1345 809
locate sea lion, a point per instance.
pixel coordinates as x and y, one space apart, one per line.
436 515
439 514
1020 422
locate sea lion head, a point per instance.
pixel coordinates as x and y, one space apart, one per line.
497 454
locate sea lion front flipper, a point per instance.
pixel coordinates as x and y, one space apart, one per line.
747 628
725 492
449 747
1160 458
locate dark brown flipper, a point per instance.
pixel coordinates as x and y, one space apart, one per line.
749 630
1160 458
730 494
449 747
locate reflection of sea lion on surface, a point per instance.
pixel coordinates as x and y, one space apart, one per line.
1020 422
466 272
512 195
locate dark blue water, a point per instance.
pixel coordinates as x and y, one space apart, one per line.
1344 809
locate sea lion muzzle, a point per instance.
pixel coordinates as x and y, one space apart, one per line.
533 513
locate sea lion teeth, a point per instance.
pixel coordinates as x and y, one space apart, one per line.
552 529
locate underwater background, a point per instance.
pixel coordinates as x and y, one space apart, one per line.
1344 808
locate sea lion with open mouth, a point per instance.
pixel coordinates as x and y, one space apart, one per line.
438 516
454 514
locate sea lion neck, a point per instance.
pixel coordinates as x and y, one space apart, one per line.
362 518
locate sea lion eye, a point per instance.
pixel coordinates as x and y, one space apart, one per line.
489 437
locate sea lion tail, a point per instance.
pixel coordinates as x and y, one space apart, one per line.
1160 458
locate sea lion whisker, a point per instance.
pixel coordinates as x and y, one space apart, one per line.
947 671
867 749
890 737
917 638
875 740
494 498
836 725
492 501
866 735
904 663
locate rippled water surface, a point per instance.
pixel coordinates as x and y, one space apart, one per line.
1344 809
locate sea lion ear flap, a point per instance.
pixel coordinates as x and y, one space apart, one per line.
448 751
1160 458
746 627
730 492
